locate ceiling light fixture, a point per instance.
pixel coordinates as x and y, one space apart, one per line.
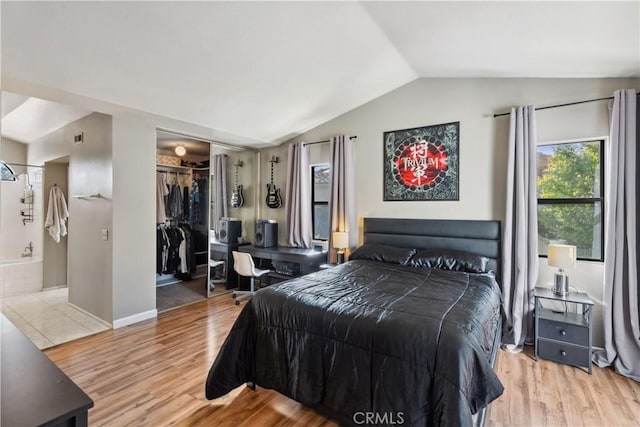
180 150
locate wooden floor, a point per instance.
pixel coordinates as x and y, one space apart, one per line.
153 374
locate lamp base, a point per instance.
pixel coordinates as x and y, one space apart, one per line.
561 284
340 257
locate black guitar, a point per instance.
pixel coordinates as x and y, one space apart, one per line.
237 199
274 200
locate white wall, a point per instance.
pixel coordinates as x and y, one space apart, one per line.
483 145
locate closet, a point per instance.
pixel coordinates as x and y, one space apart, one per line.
196 183
182 215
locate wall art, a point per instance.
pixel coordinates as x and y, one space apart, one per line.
422 163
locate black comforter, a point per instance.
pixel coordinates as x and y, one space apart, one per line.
409 344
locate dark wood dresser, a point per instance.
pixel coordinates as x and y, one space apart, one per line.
34 391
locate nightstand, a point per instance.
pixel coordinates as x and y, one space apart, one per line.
560 335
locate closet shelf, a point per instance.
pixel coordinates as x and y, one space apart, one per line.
172 168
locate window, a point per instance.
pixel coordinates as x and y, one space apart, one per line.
6 174
570 182
320 201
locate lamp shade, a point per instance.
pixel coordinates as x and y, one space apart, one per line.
340 239
562 256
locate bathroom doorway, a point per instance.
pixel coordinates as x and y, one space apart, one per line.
34 269
55 254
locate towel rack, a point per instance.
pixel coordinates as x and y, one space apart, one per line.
87 196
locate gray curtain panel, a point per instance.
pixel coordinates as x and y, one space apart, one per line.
220 189
342 200
520 244
298 197
621 314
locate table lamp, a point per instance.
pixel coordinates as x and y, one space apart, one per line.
340 242
561 256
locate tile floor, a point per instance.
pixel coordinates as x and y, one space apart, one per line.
47 319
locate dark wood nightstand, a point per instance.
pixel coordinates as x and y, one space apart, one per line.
562 336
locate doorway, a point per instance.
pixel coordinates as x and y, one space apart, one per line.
182 173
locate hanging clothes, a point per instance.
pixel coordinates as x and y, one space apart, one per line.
162 191
175 202
57 214
162 254
175 251
186 201
194 206
203 186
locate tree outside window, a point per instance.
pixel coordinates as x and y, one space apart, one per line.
570 186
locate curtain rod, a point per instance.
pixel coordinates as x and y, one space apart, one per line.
563 105
327 140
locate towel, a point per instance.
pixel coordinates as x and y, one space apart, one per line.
57 214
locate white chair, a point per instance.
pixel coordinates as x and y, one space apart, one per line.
213 276
244 266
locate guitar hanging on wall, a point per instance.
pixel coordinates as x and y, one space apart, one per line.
274 200
237 199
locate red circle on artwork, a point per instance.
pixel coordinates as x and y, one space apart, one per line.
420 165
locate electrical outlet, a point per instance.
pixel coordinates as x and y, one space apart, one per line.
105 234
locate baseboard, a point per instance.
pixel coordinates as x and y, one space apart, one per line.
129 320
93 316
51 288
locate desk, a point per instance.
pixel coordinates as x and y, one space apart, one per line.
35 392
307 260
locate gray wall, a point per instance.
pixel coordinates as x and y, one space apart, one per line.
90 172
483 146
54 255
247 178
134 213
318 153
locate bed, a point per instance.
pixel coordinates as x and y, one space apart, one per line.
385 338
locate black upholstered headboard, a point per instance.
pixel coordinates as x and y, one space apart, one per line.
478 237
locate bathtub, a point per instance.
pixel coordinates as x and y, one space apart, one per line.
20 276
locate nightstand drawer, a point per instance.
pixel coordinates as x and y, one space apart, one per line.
564 353
565 332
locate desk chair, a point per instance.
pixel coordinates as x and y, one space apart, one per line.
213 276
244 266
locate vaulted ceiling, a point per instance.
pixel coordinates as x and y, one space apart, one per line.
264 72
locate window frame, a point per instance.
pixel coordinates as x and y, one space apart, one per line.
13 174
584 200
315 203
